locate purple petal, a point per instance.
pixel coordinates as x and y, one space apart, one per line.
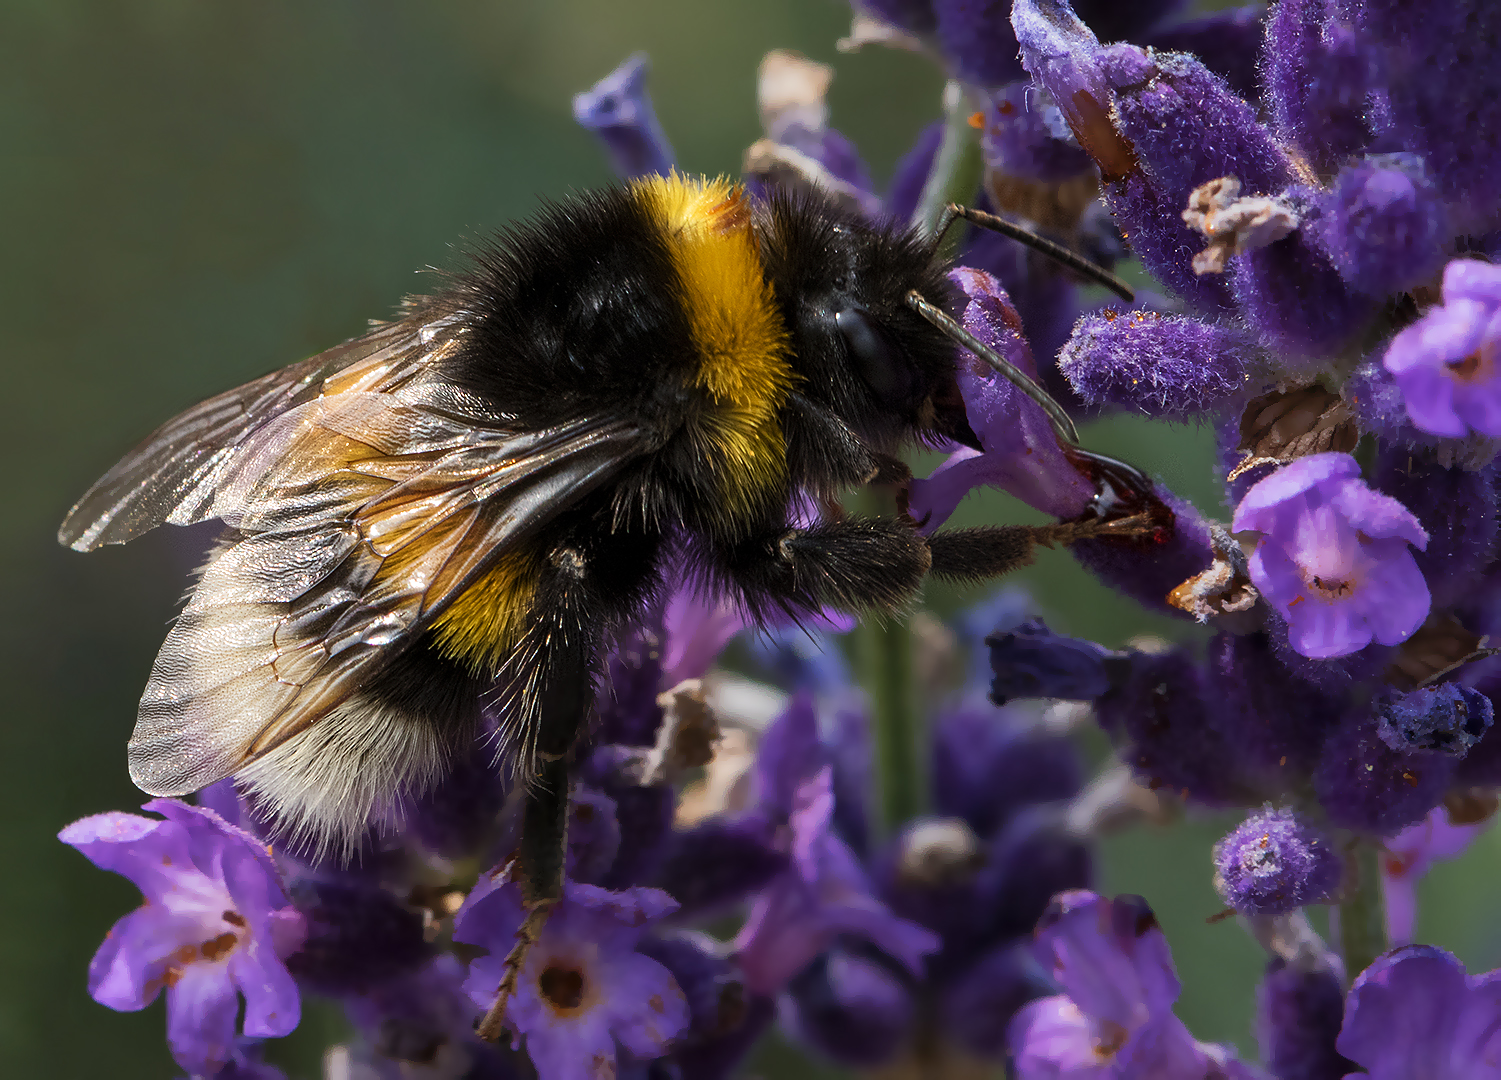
574 1049
1479 405
1471 279
201 1010
1052 1040
1109 956
1394 597
125 974
789 752
151 854
635 980
1378 516
1288 482
1401 1013
1322 631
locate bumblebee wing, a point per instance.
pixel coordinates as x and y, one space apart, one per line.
172 476
361 517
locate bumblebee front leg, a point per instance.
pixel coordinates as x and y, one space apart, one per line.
989 551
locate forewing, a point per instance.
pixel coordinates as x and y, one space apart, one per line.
174 474
376 514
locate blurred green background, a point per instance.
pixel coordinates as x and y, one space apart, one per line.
194 193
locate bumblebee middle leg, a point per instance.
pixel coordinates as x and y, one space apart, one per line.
989 551
588 587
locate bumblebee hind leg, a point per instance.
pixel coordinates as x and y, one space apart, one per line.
588 587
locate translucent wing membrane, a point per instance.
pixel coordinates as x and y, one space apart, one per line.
174 474
342 564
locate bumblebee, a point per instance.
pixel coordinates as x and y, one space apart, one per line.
483 491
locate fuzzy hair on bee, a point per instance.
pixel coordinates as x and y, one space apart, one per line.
478 496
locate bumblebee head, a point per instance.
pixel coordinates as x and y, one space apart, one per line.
863 353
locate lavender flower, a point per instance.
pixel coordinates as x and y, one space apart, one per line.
584 987
1446 362
619 110
1274 862
215 926
823 894
1414 1013
1115 1017
1033 662
1409 855
1332 558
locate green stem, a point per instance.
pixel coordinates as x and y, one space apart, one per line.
1362 912
957 167
886 659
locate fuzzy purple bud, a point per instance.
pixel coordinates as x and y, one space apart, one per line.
1449 719
1381 224
1274 862
1019 141
1364 784
1298 1018
1160 365
1318 73
619 110
1458 510
1149 569
1033 662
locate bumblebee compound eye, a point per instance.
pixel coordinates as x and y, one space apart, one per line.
877 359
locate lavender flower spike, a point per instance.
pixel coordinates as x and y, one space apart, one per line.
584 987
1333 558
1446 363
215 926
1415 1014
619 110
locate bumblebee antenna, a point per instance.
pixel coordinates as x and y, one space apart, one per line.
1024 382
1057 252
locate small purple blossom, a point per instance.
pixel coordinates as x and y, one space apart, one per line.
1033 662
1332 558
1021 454
1115 1016
1409 856
214 926
824 893
584 988
619 110
1447 362
1273 862
1415 1014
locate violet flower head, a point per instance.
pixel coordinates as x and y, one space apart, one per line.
1031 661
619 110
215 927
1273 862
1333 557
823 894
1115 1016
1021 454
1381 225
584 987
1414 1014
1448 363
1409 856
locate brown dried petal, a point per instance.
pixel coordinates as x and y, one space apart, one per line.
1288 424
1440 645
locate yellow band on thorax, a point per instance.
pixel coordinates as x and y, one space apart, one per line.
744 355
